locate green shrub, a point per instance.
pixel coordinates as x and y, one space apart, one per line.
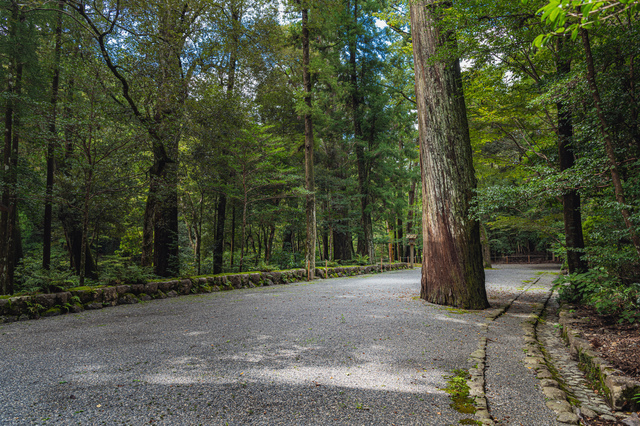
604 292
115 271
361 260
262 266
31 277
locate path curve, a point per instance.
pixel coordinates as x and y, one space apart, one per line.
360 350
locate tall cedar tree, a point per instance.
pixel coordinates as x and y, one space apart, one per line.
452 272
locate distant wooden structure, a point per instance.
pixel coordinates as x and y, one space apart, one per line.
411 238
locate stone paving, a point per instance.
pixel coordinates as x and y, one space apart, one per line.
561 383
585 400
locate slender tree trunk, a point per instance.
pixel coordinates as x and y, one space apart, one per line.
570 198
325 244
365 239
452 272
68 214
288 240
147 229
635 127
218 247
221 213
52 145
233 233
308 151
608 142
412 196
84 246
245 202
269 246
8 217
199 237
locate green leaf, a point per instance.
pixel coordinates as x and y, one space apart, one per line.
586 9
574 33
537 42
554 14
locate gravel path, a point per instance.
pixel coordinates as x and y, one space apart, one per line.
362 350
513 392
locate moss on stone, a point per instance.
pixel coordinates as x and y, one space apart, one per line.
458 391
52 312
83 288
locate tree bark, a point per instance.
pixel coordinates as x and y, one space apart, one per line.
400 241
308 152
365 239
84 246
147 230
410 214
73 225
486 247
233 234
269 243
52 144
8 217
574 240
288 241
452 272
218 247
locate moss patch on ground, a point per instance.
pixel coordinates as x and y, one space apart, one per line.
458 391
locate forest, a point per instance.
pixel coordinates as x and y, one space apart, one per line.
165 139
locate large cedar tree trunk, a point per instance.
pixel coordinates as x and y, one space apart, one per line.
452 272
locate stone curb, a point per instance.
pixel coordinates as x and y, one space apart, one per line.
617 388
76 300
479 356
537 360
477 380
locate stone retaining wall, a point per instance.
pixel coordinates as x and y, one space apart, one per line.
78 299
618 389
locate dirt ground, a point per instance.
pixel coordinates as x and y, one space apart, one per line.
618 343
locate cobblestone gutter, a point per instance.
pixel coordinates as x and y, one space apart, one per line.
567 388
78 299
618 389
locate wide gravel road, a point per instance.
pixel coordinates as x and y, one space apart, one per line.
361 350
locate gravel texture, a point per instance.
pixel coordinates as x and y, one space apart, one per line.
361 350
513 392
